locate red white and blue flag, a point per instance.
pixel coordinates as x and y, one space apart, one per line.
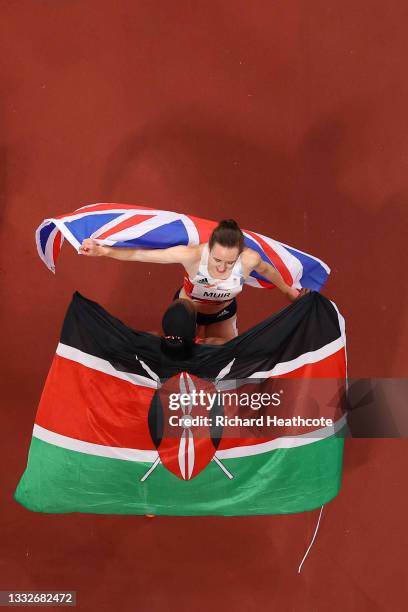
137 226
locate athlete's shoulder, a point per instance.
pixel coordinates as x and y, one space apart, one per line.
197 249
250 258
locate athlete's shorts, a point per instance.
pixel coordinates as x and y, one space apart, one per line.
215 317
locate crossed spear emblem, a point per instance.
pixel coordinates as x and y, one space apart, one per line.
187 386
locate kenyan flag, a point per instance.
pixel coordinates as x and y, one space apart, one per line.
102 439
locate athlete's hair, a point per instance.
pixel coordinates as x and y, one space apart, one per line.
227 234
179 326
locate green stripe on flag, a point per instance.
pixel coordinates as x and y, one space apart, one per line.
281 481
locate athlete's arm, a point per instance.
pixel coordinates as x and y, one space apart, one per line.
177 254
255 262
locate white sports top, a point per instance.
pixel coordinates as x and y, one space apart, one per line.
205 288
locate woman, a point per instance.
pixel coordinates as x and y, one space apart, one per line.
214 274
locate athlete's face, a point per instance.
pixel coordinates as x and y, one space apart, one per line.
222 258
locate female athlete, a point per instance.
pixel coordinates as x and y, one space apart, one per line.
214 274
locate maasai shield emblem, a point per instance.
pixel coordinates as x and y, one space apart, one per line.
181 418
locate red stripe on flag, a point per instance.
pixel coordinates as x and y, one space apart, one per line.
56 247
88 405
274 257
132 221
203 226
326 393
333 366
92 406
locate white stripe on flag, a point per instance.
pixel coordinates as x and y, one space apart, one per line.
101 365
113 452
320 261
284 442
192 232
293 264
226 370
67 233
135 231
306 358
190 453
182 454
48 255
149 456
49 248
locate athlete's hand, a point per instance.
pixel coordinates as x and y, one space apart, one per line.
294 294
91 248
303 292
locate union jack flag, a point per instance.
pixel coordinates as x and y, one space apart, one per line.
137 226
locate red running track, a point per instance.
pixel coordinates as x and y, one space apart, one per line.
290 116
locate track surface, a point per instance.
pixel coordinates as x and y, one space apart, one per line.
289 116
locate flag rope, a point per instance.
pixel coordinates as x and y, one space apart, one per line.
313 539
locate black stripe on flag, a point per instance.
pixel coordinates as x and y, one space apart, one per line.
305 325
